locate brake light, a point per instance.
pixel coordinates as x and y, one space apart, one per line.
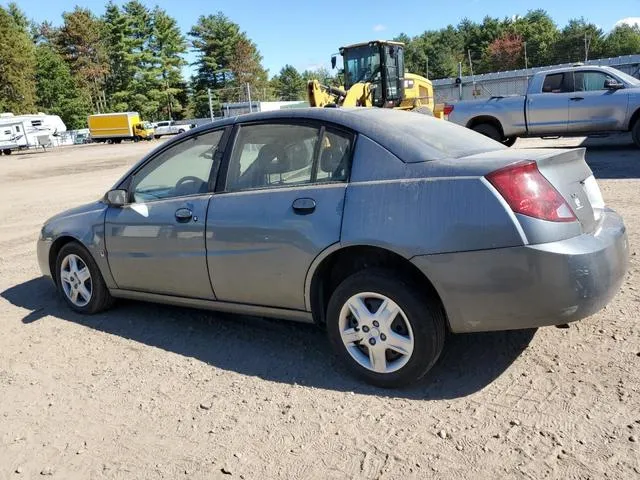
448 108
528 192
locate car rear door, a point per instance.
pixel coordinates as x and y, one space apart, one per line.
548 112
278 204
594 108
156 243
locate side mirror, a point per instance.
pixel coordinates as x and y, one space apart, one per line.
116 198
333 61
611 84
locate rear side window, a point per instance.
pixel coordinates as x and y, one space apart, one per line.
557 83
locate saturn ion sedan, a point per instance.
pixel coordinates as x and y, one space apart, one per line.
388 228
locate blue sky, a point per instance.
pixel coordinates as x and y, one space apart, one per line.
305 33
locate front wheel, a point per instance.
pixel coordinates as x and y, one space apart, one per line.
635 133
509 141
79 280
385 329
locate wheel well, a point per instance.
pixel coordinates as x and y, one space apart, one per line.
486 119
347 261
634 118
54 250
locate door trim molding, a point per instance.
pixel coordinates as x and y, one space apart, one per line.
237 308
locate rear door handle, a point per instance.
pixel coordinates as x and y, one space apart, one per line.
576 99
304 206
183 215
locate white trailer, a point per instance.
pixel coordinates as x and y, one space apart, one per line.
24 131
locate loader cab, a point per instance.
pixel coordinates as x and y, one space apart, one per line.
379 63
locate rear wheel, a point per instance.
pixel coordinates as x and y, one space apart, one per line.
7 151
79 280
488 130
386 330
635 133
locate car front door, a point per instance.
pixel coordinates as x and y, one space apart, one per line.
548 112
594 108
281 204
156 243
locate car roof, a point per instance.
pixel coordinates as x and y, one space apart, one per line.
389 128
579 68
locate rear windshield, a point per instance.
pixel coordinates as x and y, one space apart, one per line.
441 138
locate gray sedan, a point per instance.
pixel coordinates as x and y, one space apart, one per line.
388 228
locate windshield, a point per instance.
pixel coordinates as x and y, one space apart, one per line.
147 125
361 64
627 78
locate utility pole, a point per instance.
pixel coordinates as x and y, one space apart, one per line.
526 60
586 48
210 104
460 78
249 96
427 67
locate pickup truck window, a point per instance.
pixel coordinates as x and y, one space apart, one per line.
558 83
591 81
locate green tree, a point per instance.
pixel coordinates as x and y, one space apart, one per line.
17 66
57 93
623 40
81 44
20 19
118 47
289 84
579 39
539 32
223 52
168 45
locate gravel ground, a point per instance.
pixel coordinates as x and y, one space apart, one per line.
147 391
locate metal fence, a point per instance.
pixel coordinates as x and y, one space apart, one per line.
515 82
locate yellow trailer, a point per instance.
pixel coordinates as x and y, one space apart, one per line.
115 127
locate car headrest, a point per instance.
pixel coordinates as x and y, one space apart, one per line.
330 159
272 159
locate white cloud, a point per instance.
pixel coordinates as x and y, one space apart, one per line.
379 28
628 21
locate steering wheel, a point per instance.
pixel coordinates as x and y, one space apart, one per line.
187 179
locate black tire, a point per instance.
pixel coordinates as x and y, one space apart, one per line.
424 111
635 133
100 299
7 151
180 131
488 130
117 141
423 312
156 136
136 138
509 141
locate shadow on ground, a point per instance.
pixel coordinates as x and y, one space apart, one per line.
275 350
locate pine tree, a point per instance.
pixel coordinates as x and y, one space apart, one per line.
289 84
17 66
167 45
57 93
81 44
118 46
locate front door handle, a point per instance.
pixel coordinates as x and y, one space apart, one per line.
183 215
576 99
304 206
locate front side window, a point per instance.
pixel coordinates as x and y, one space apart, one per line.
269 155
591 81
183 169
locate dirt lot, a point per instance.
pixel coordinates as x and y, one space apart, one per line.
148 391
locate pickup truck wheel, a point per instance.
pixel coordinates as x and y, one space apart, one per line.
509 141
488 130
181 131
635 133
6 151
385 329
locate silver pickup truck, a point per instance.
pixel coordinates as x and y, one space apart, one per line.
577 101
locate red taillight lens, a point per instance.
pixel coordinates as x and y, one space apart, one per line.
448 108
527 192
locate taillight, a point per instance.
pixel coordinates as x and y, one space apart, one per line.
528 192
448 108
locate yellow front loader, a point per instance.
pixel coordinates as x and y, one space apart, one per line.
374 76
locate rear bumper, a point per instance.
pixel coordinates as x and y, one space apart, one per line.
531 286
